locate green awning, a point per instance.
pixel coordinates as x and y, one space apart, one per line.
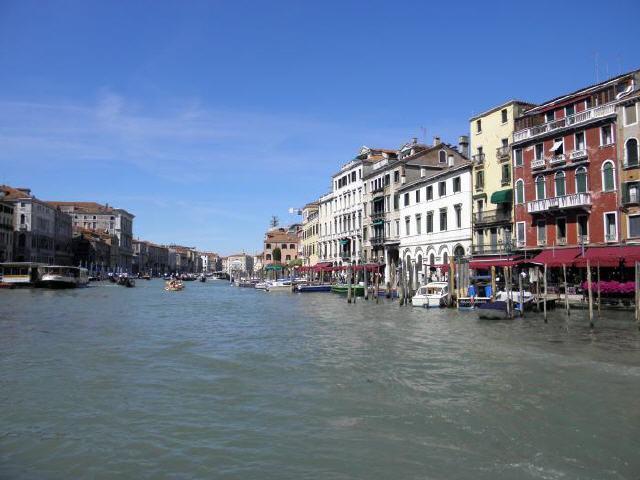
344 242
378 222
502 196
273 267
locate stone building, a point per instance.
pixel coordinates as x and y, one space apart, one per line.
628 146
309 234
280 246
6 230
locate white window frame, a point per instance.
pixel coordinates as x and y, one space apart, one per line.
522 242
535 151
629 227
626 158
565 229
604 224
555 186
515 156
613 138
586 178
578 227
575 141
543 222
615 186
624 110
523 194
544 183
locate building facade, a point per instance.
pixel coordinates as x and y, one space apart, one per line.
280 246
490 134
435 217
309 234
104 218
239 264
565 153
628 144
6 230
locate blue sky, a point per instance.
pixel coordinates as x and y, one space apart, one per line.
206 118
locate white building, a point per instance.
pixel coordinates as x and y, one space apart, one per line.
435 218
340 213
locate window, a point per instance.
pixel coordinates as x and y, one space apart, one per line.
560 184
268 246
520 234
518 158
608 174
630 114
456 184
284 245
288 257
478 126
22 219
479 180
539 151
406 199
430 192
396 176
503 113
397 227
407 225
506 174
418 196
569 110
442 156
430 222
268 256
520 192
631 153
292 246
396 201
611 226
583 228
443 219
458 209
634 226
561 231
418 224
542 232
549 116
442 188
606 135
581 180
540 188
579 141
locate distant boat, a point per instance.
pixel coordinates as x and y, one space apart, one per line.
313 288
202 278
431 295
343 289
279 286
60 276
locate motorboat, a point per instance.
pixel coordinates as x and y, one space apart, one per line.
261 285
313 288
202 278
343 289
497 310
126 281
60 276
174 286
527 299
20 274
433 294
279 286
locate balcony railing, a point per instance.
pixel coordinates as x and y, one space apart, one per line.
377 240
570 121
503 153
492 216
478 158
557 159
631 194
377 216
495 249
576 200
577 155
538 163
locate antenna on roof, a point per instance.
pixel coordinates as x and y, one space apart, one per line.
596 67
424 133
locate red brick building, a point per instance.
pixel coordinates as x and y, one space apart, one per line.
566 189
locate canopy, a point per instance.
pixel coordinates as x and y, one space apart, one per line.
556 257
442 266
556 145
611 256
485 263
273 267
502 196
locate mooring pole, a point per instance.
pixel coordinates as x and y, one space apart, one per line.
493 283
521 294
349 284
566 293
590 294
637 288
598 284
366 284
545 293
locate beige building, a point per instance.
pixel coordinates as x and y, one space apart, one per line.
239 264
280 246
490 136
309 234
628 144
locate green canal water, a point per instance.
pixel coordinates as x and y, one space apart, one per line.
228 383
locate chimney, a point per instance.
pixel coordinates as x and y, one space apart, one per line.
463 145
436 141
414 140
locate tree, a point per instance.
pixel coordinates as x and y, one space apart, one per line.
277 254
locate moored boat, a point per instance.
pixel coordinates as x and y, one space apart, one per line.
60 276
431 295
313 288
279 286
20 274
343 289
492 310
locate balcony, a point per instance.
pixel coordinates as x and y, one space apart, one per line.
570 121
578 155
578 200
486 217
478 158
500 248
377 240
503 153
631 194
538 163
557 160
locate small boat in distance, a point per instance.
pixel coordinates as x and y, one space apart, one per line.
174 286
433 294
60 276
313 288
279 286
343 289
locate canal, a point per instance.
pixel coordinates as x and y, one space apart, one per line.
229 383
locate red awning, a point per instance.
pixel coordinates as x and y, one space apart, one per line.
611 256
442 266
556 257
485 263
323 265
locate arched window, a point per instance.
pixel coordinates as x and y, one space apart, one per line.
631 153
458 253
581 180
22 219
519 191
442 156
540 190
560 184
608 176
432 259
445 258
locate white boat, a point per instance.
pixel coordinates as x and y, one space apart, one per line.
262 285
61 276
433 294
515 298
20 274
279 286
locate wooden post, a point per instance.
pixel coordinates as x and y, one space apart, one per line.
590 294
366 285
637 278
521 288
493 283
598 283
355 282
566 293
452 271
537 288
377 291
545 293
349 284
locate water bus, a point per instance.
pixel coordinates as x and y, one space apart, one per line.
20 274
61 276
